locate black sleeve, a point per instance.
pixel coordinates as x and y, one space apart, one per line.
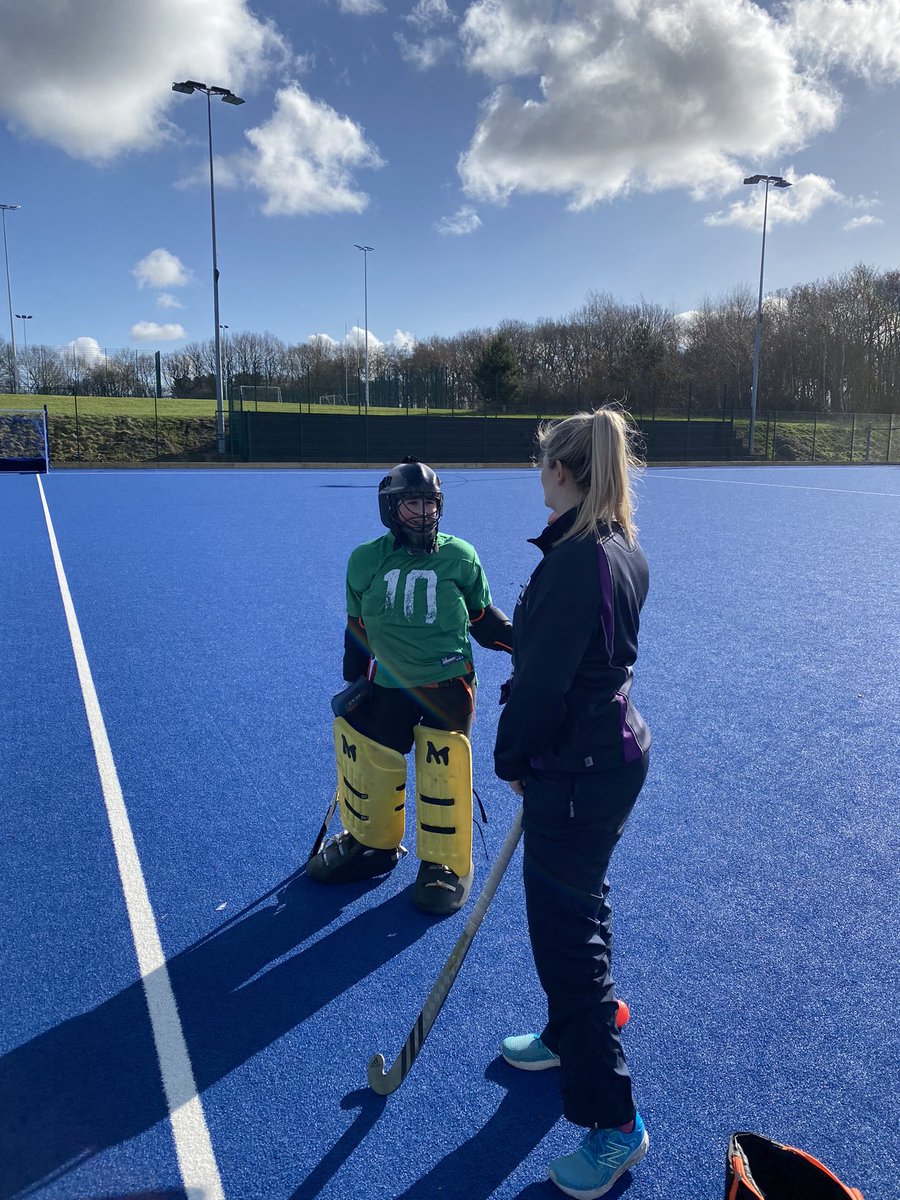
561 616
357 651
491 628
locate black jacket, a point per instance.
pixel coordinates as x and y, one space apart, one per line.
575 635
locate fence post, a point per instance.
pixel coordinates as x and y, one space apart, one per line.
774 428
852 436
868 441
78 437
815 426
687 430
766 451
300 430
887 457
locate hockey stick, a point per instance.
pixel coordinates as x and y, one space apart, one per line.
320 836
384 1082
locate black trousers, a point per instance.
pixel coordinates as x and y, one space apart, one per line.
572 824
391 714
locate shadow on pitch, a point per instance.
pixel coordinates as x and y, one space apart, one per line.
93 1081
530 1108
528 1111
371 1107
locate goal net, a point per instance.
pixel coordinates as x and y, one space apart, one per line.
24 445
263 393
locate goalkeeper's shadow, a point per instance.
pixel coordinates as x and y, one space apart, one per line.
239 989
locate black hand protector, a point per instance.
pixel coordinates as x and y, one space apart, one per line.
357 651
491 628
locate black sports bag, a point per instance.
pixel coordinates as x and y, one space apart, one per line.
760 1169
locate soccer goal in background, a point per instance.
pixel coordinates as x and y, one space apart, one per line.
253 394
24 444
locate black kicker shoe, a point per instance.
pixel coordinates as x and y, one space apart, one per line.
439 890
345 860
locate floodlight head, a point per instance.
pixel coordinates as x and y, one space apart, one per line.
10 207
231 98
781 183
187 88
365 249
755 179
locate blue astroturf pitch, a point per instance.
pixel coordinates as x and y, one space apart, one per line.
187 1017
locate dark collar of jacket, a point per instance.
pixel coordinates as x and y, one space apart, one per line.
549 536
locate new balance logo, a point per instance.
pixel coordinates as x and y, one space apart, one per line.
348 749
435 755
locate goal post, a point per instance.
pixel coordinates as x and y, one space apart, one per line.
262 393
24 442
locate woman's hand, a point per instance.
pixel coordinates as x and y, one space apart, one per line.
518 786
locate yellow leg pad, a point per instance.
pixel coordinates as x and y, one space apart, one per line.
444 798
371 788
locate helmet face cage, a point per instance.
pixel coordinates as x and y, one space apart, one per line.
411 482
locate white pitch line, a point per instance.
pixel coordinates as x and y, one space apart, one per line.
797 487
192 1141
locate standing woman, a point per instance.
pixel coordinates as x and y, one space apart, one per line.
571 742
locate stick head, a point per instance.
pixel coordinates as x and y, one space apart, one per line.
377 1076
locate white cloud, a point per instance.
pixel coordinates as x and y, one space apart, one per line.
788 206
464 220
428 13
791 206
860 36
161 269
86 350
303 158
360 8
94 79
356 336
150 331
633 95
403 340
431 48
862 223
165 300
423 55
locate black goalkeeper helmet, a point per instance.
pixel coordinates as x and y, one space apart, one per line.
411 480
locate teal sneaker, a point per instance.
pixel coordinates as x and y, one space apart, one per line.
528 1053
603 1157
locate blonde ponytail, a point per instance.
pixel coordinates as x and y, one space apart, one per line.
596 447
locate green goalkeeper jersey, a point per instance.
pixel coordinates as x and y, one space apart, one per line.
415 607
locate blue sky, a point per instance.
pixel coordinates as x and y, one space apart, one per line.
503 158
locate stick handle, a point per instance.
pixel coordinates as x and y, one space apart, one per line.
384 1082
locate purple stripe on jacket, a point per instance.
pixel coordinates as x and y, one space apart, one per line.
630 746
607 612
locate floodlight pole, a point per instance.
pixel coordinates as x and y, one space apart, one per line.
366 251
188 87
13 365
23 317
776 181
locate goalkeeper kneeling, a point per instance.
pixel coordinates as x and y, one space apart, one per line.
413 597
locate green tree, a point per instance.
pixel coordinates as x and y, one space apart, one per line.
497 374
